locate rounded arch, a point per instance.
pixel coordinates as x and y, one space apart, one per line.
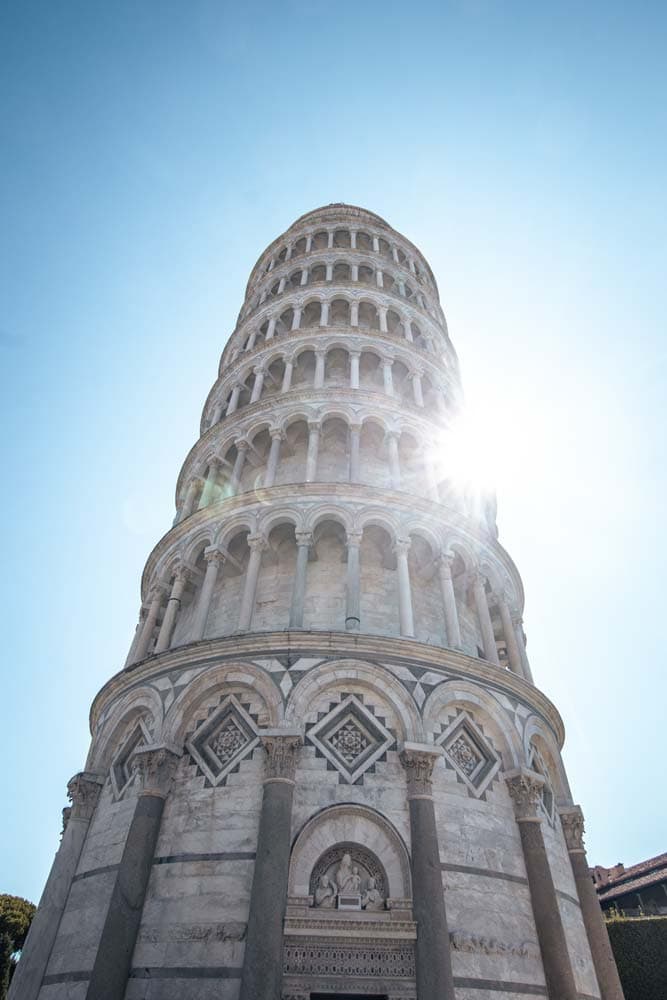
465 694
537 734
139 703
234 526
376 678
328 512
283 515
379 518
350 823
244 676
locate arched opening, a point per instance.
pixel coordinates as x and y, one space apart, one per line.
299 247
412 473
373 461
337 371
282 255
364 241
365 275
254 466
342 238
385 249
342 272
320 240
402 384
368 316
325 581
273 378
284 322
311 315
427 605
223 617
276 580
294 280
394 323
333 459
318 274
379 588
293 451
339 313
303 372
370 372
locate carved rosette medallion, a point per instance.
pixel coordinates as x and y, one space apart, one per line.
572 820
525 788
282 753
418 764
155 767
83 791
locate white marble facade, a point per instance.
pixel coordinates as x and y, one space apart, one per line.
326 583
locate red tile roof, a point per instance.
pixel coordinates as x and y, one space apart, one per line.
635 878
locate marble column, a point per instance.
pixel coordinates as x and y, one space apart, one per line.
155 767
407 330
216 416
303 543
513 654
354 313
263 959
324 314
258 384
215 559
525 788
394 463
296 318
432 950
207 495
353 583
572 820
237 471
256 544
382 314
287 376
141 649
484 617
83 792
190 498
354 369
401 548
271 329
417 388
517 622
234 399
274 456
313 448
387 378
173 607
318 380
449 601
355 436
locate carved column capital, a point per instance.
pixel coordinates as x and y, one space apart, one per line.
214 555
155 766
418 759
353 539
572 820
402 546
256 543
282 752
304 538
525 788
83 791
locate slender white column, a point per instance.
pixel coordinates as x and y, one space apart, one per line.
251 341
330 240
319 369
354 314
353 239
376 245
313 448
207 495
259 384
256 544
287 376
488 638
394 254
303 542
234 398
274 456
378 278
394 464
355 432
309 243
214 561
449 601
382 313
329 272
354 272
131 657
517 621
156 599
353 586
288 255
272 264
173 607
401 288
417 388
304 276
281 286
324 314
387 376
271 329
407 330
217 413
406 621
431 479
296 320
237 471
513 654
354 369
190 498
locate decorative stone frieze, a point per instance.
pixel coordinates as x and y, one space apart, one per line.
282 753
83 791
525 788
419 761
155 767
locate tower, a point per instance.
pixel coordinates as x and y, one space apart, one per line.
325 770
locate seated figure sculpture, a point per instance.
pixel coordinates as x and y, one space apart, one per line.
325 893
372 899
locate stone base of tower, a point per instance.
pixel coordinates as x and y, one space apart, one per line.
357 730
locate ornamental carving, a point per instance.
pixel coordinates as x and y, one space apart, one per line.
348 868
155 767
282 755
469 752
462 941
525 788
122 765
461 751
364 960
351 737
223 740
419 765
83 791
572 820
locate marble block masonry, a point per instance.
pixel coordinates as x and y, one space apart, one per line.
325 769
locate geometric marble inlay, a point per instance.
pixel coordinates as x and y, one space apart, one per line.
122 770
222 741
351 738
469 752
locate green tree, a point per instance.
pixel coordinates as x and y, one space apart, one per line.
16 916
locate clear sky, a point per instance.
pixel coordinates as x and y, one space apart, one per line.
150 151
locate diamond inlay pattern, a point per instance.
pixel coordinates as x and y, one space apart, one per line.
349 742
351 737
228 741
223 740
469 752
461 751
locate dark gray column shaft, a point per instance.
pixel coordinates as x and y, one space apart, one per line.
108 980
434 964
263 960
548 923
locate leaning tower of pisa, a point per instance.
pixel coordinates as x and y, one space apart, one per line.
325 770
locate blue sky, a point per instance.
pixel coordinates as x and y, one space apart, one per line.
150 151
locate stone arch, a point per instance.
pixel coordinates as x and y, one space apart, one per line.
201 691
350 823
537 734
372 676
455 693
139 703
